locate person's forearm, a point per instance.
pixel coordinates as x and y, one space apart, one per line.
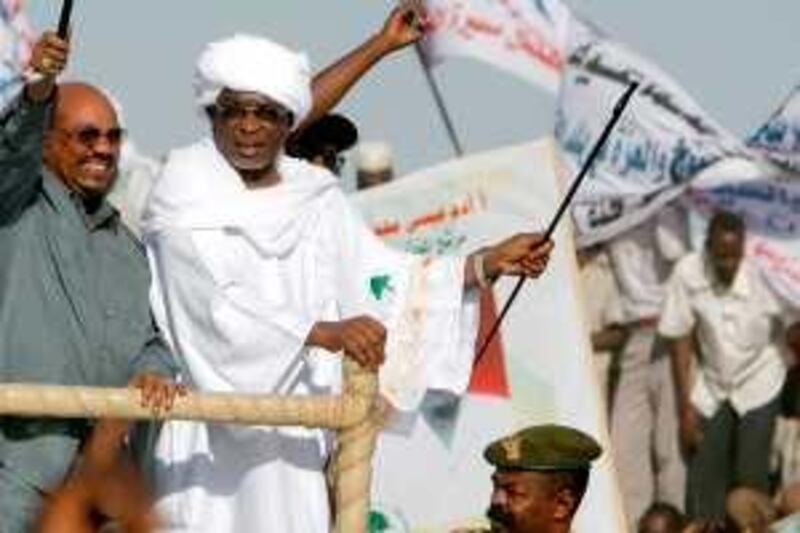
682 355
66 511
610 339
330 85
22 133
323 335
471 269
524 254
40 90
24 124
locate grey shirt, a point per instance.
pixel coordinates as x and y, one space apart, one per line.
74 304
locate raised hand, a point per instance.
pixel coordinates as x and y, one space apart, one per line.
404 26
48 59
50 54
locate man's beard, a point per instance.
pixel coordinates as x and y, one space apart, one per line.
501 521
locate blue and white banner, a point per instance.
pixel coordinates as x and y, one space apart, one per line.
665 148
779 138
662 142
770 208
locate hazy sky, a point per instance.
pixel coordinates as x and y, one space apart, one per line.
738 58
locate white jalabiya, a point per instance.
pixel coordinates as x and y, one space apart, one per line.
240 277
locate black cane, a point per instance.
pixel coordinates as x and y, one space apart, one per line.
619 108
64 19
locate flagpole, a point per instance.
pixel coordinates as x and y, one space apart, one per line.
64 19
619 109
439 99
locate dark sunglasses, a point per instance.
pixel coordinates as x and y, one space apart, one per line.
90 135
265 113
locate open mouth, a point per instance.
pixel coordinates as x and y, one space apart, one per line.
96 167
250 150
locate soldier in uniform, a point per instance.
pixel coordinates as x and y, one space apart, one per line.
540 478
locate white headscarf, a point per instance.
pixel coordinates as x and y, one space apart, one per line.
255 64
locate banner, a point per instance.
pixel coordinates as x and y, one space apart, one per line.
662 142
523 37
779 138
771 211
430 474
16 38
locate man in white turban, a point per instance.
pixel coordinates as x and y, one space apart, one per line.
263 273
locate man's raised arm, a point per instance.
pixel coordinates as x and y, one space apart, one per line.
22 129
402 28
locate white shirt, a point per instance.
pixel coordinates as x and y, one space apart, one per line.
132 186
740 362
603 307
642 259
601 298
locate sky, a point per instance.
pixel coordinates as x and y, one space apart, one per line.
738 58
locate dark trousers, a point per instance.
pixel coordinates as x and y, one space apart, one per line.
734 452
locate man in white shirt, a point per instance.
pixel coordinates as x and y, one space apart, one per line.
644 423
603 307
138 171
263 274
728 391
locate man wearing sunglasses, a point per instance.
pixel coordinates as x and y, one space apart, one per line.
74 282
264 273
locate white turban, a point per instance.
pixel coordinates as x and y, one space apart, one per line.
254 64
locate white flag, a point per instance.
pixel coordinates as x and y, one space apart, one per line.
16 38
662 142
529 378
779 138
768 203
523 37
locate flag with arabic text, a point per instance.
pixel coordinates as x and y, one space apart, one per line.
522 37
779 138
663 140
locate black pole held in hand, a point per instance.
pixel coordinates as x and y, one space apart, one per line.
619 108
64 19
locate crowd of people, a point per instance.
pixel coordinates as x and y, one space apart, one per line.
693 350
243 268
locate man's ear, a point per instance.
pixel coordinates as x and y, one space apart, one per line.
564 505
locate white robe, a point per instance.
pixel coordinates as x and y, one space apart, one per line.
240 277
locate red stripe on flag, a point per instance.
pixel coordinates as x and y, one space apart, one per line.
489 375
